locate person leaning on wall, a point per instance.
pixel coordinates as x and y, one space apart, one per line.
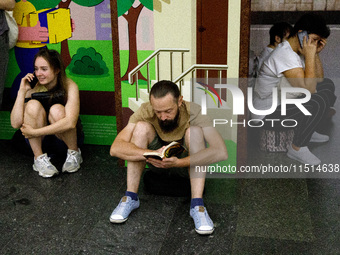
4 5
47 112
296 63
278 33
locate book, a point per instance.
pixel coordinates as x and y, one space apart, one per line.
171 150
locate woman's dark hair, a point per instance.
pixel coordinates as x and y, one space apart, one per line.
56 63
280 29
313 24
162 88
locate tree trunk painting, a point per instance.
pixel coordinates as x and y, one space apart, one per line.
65 52
132 19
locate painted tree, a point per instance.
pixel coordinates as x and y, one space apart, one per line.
65 52
131 14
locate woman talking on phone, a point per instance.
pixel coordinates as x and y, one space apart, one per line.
47 112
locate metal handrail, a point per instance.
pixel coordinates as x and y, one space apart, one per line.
200 67
147 61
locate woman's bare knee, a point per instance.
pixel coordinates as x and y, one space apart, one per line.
34 109
57 112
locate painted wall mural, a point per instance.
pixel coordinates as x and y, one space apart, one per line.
130 10
136 42
81 31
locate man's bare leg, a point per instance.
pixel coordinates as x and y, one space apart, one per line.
194 139
142 136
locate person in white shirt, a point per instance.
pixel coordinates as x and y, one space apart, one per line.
278 33
298 64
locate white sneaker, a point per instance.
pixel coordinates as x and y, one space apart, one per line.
43 165
121 213
303 155
203 224
319 138
73 161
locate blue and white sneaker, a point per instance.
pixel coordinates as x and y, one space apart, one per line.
123 210
203 223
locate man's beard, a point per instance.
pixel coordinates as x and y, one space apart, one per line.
169 125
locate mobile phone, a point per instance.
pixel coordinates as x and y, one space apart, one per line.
34 81
301 35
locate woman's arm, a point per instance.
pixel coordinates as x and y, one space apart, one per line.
17 114
68 122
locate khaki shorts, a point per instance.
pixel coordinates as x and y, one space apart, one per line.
177 171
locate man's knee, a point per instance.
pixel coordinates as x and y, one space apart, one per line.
143 130
57 112
194 132
194 136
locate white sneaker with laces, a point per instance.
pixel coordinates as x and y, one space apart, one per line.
73 161
303 155
43 165
319 138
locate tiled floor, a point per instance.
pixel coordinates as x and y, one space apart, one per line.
68 214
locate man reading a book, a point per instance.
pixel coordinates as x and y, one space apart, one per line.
166 118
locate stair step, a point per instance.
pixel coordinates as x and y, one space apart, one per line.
144 95
134 104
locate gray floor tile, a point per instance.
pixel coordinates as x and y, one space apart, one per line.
275 208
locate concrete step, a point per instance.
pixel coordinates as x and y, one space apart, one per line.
144 95
134 104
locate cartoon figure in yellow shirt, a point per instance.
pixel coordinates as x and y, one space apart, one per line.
36 30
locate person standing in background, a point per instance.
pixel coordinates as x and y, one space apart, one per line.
4 5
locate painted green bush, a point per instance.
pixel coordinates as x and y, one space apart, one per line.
87 61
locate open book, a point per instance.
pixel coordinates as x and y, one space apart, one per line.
172 149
